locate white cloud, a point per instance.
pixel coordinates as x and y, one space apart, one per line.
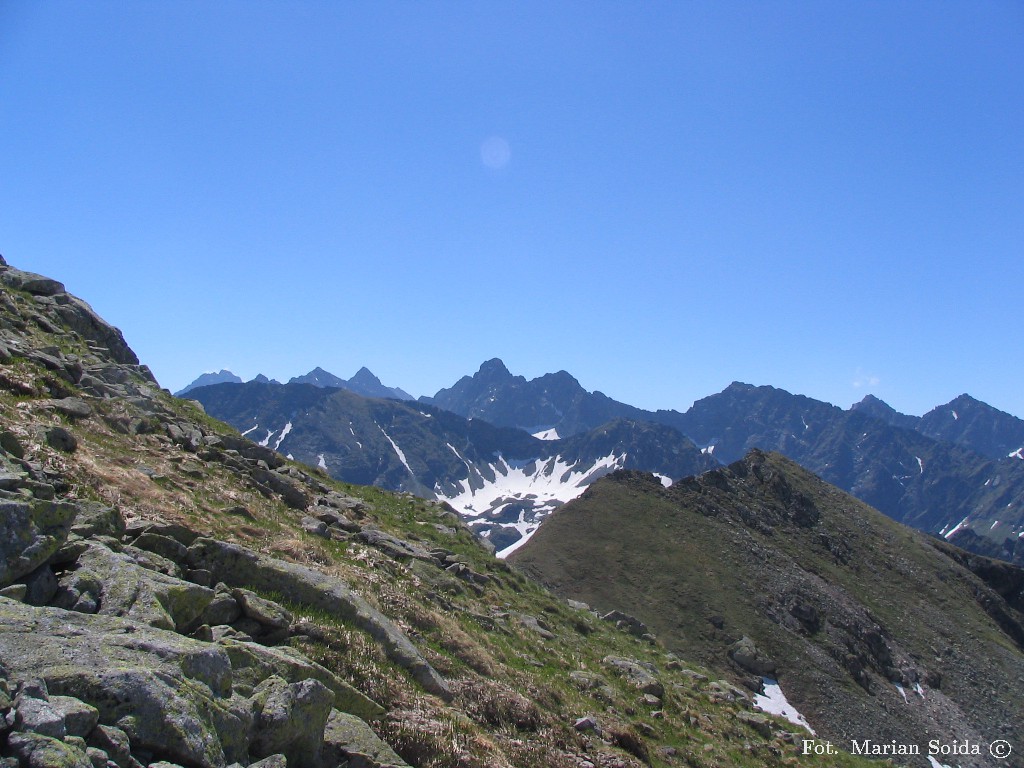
862 380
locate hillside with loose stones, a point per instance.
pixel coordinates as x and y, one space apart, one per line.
173 594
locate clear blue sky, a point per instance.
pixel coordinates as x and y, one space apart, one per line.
660 198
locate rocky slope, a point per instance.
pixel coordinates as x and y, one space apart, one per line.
872 630
173 594
503 481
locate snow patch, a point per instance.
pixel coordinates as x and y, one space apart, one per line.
266 440
250 429
284 434
398 451
665 479
1018 454
903 692
320 461
956 416
956 528
548 434
774 702
936 764
920 464
535 486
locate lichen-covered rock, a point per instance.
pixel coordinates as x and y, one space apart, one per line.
33 750
252 663
347 740
135 592
79 718
113 742
290 720
168 693
95 519
31 532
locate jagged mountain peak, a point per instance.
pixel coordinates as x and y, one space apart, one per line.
364 376
493 368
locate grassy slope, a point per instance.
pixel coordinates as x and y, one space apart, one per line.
708 561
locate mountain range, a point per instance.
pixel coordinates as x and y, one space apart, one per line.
956 472
364 382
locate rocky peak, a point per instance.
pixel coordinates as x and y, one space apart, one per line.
493 369
364 377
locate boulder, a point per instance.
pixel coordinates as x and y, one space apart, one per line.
37 285
113 742
30 533
79 718
129 590
394 547
638 673
40 586
347 740
33 750
39 716
168 693
95 519
61 439
626 623
749 658
289 720
72 407
251 663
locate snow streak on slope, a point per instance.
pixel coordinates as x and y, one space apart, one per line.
284 434
517 495
398 451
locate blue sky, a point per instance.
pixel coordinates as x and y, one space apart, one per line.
660 198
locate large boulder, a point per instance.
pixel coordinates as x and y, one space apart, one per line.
168 693
349 741
30 533
251 663
132 591
290 720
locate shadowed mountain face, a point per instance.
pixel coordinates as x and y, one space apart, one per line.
874 631
555 401
937 486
